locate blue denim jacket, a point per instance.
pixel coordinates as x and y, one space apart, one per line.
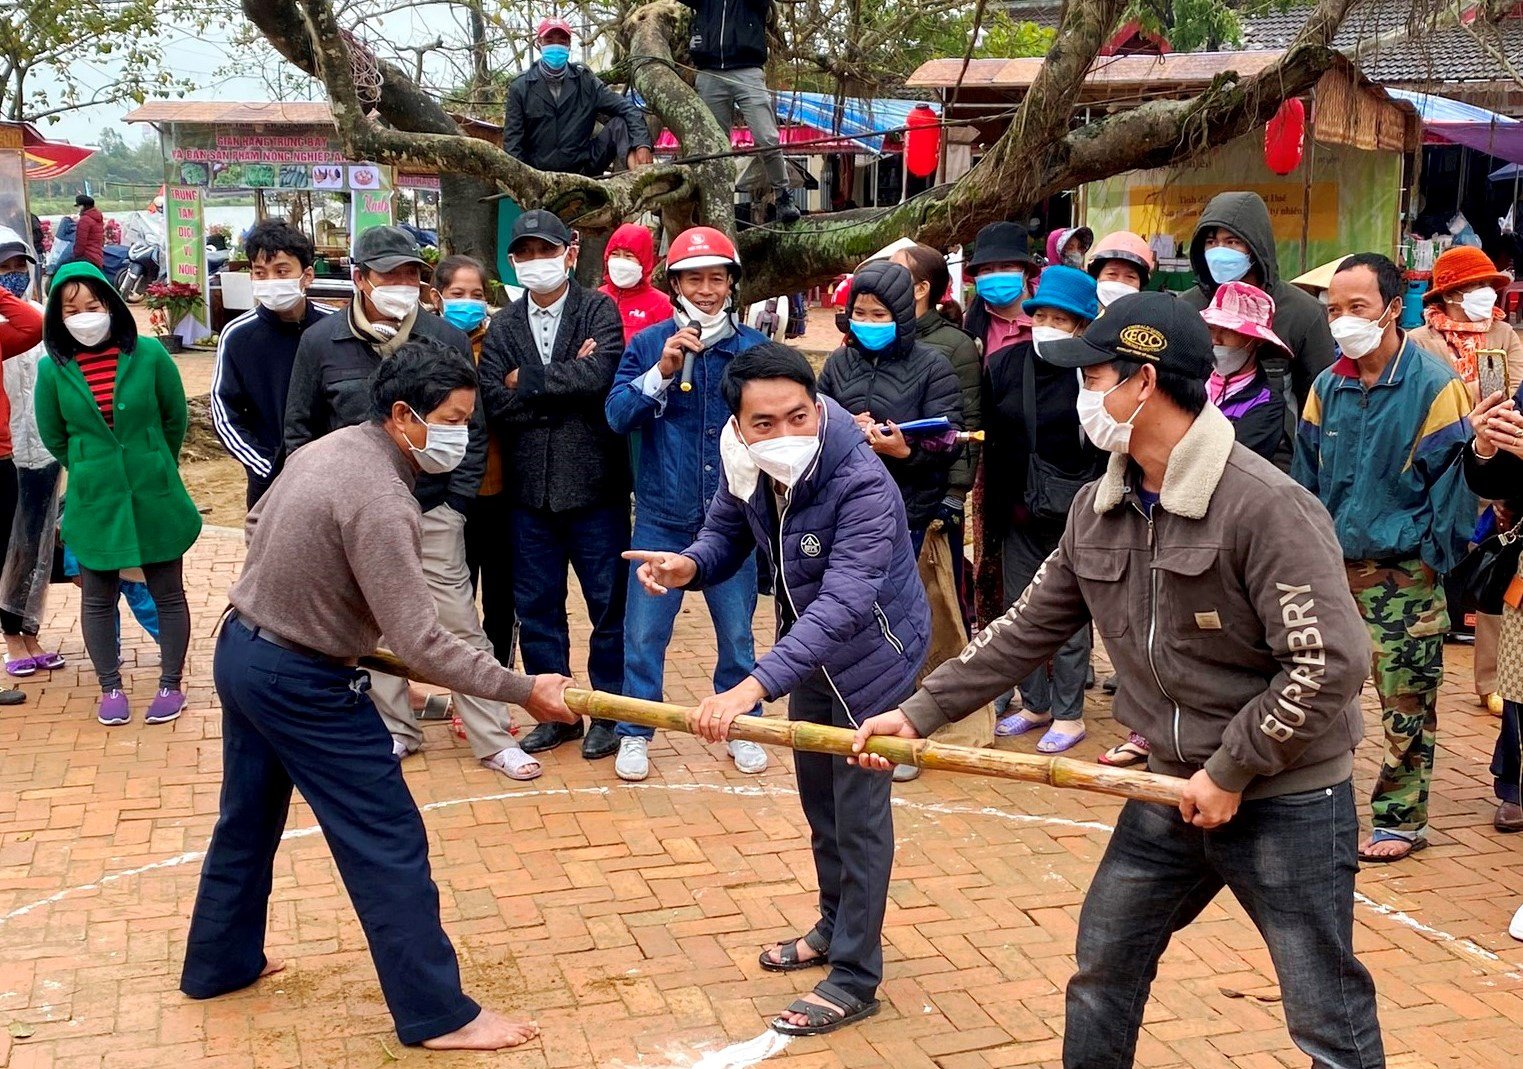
676 436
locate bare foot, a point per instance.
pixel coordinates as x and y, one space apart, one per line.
799 1020
271 966
489 1031
1390 848
801 948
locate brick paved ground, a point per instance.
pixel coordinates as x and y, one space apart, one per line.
627 918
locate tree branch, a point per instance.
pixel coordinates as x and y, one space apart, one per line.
1162 132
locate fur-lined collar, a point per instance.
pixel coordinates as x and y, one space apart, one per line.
1195 468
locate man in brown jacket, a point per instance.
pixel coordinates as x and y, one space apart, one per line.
1218 586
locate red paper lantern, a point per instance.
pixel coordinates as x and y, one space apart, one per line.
1285 137
922 141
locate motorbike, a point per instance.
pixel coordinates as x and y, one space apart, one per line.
143 268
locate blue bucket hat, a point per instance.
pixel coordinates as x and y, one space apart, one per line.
1067 289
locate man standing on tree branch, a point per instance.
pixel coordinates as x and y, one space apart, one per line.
729 48
554 106
1219 588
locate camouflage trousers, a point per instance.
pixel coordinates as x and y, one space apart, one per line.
1403 606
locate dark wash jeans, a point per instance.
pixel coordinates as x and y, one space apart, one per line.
1290 861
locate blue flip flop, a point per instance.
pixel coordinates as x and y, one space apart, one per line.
1019 725
1057 742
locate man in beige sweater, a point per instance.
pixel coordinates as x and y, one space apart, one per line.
335 561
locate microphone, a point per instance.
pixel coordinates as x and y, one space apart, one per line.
685 383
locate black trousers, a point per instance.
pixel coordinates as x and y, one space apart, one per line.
256 488
102 627
10 622
851 828
489 556
288 719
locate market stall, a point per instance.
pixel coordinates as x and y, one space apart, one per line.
27 156
1341 180
286 157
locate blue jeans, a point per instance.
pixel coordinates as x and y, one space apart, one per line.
1290 861
1507 757
292 720
648 622
590 542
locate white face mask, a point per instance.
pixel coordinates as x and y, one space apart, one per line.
626 274
1478 304
541 276
1111 290
1107 432
88 328
1357 336
394 302
786 459
711 325
443 449
278 294
1229 359
1045 334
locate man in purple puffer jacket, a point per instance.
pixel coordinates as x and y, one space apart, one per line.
801 482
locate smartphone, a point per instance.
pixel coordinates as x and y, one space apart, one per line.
437 707
1491 373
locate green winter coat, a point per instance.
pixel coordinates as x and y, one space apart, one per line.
126 504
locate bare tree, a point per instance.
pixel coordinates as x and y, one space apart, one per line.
1042 152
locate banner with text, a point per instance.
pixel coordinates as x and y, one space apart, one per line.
369 209
1351 203
187 237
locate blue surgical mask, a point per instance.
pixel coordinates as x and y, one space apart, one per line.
1227 265
875 336
1001 288
555 56
16 282
464 312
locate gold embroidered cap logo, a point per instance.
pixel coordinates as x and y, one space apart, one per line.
1141 341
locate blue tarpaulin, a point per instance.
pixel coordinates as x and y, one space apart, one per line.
858 120
1465 124
1440 110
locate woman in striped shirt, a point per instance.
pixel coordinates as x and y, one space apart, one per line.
111 407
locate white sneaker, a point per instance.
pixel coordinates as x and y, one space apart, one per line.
905 773
1516 930
633 762
399 749
750 758
514 763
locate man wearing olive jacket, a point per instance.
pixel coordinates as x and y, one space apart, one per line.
1218 586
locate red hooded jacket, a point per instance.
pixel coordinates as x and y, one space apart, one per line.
644 305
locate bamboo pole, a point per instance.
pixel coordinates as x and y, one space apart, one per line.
819 738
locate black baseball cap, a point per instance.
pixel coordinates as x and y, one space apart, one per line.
11 247
386 248
1149 328
546 226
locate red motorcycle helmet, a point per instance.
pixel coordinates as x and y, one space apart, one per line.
702 246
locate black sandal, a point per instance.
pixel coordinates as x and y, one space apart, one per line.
788 953
823 1019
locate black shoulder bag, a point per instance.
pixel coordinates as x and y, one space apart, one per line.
1487 570
1049 490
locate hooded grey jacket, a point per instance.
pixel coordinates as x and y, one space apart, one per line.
1299 318
1237 645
